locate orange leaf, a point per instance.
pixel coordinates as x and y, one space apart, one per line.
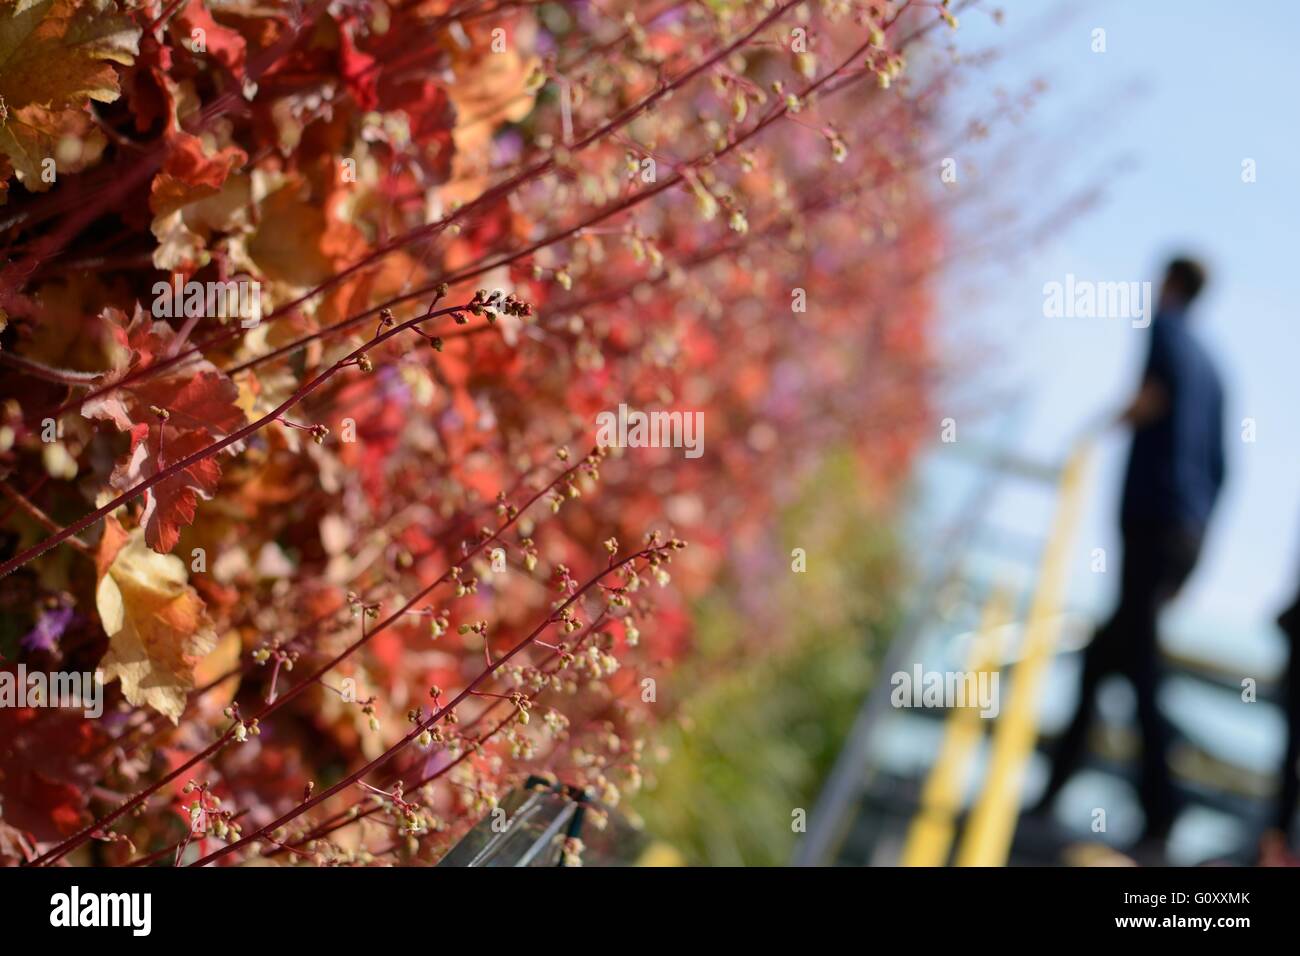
157 626
225 45
189 173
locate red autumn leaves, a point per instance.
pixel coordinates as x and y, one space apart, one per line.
198 406
189 173
412 143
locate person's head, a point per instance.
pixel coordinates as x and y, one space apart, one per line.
1184 279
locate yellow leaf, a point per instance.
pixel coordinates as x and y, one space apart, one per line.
157 626
58 52
55 56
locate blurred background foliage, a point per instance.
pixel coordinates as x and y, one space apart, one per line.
762 716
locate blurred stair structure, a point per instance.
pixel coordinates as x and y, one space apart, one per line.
532 824
936 786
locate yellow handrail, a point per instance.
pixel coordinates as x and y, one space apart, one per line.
988 835
930 836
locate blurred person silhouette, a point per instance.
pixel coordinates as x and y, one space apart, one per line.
1174 474
1277 843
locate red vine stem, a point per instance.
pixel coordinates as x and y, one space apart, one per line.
208 451
423 725
777 112
70 844
623 118
345 817
414 235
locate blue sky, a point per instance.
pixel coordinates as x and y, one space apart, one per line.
1185 91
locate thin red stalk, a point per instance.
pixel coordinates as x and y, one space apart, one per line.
553 655
70 844
40 517
765 124
621 206
46 373
167 12
462 523
40 483
420 726
208 451
345 817
414 235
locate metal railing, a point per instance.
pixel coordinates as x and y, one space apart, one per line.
933 828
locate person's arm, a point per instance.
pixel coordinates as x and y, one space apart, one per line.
1149 404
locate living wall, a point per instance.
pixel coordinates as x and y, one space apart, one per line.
343 550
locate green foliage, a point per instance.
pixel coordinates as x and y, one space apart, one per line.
765 715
